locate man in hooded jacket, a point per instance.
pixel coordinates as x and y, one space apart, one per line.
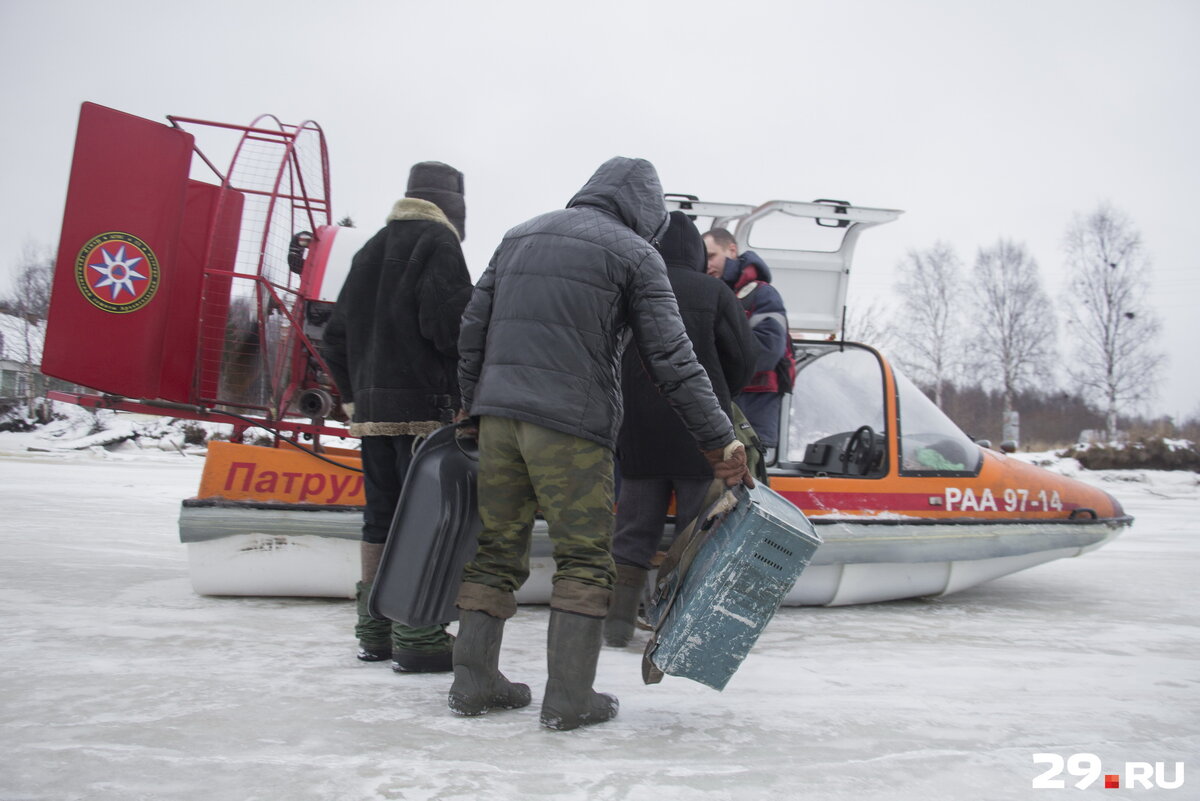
392 348
541 347
657 456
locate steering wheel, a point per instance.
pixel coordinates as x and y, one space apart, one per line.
860 450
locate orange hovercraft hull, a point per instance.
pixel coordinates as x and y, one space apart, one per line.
911 536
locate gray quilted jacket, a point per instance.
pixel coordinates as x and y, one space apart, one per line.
543 334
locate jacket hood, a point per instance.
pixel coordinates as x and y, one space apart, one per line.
628 189
682 245
735 269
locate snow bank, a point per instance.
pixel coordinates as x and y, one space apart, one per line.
105 431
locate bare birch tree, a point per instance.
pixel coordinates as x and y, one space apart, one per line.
869 324
1114 332
930 286
30 298
35 277
1015 340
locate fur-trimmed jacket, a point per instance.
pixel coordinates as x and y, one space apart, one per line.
392 342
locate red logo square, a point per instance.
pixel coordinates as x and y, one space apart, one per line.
1112 781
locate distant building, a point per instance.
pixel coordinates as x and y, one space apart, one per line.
21 380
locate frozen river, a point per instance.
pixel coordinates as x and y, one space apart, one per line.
120 683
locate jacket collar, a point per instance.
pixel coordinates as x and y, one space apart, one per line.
412 208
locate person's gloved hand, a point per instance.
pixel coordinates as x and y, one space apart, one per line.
468 431
348 410
729 464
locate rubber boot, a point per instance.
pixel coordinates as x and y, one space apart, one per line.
374 636
427 649
479 686
573 646
622 613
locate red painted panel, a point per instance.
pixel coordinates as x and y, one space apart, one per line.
182 324
118 256
214 310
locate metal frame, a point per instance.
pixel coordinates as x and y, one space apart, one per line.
313 203
186 412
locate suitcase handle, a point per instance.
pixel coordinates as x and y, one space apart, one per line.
466 437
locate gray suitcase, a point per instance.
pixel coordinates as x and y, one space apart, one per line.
720 586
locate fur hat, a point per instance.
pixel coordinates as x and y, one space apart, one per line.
441 185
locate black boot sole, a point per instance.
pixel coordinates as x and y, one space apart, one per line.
417 662
367 653
468 708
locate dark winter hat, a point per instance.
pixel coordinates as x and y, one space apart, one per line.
441 185
682 245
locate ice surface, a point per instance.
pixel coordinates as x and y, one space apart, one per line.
118 682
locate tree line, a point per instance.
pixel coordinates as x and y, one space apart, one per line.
983 341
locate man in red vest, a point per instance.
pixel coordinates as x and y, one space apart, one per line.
750 279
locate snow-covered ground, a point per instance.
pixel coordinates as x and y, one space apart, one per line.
118 682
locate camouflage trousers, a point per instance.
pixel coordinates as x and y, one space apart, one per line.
524 468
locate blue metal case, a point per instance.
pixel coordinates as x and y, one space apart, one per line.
711 606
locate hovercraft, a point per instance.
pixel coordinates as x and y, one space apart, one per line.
222 290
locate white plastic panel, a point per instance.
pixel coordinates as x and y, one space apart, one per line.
346 243
304 566
809 260
812 272
871 583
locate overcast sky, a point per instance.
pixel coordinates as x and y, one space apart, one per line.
980 119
